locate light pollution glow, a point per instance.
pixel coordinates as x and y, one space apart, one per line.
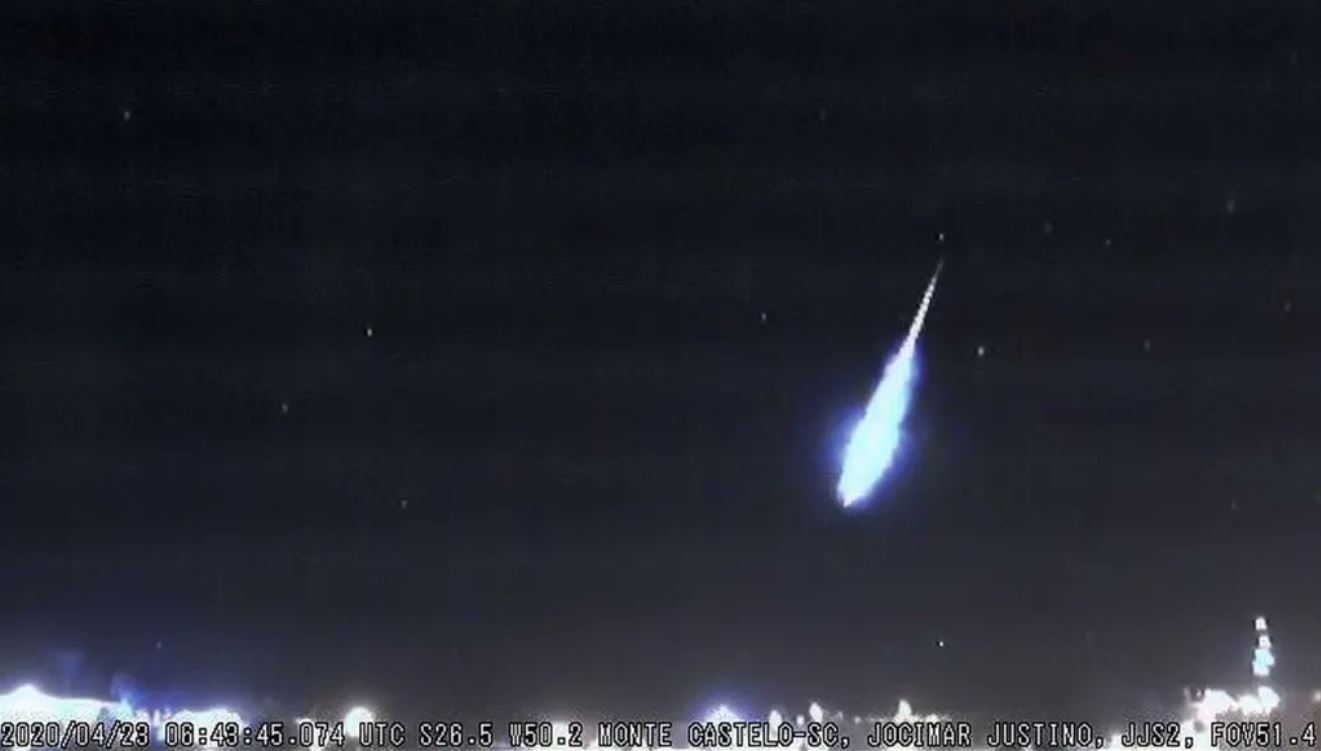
28 703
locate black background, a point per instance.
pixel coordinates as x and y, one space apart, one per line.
629 267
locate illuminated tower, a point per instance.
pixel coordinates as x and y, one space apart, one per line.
1263 659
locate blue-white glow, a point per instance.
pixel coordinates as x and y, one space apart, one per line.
354 720
875 440
28 703
722 713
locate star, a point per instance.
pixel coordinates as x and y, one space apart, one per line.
1146 345
370 333
1231 205
284 408
940 237
126 114
940 643
981 350
762 316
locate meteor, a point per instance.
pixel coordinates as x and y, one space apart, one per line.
875 440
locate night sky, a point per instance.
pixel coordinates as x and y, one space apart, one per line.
478 357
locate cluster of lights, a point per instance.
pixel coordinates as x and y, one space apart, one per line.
1211 705
28 703
1214 703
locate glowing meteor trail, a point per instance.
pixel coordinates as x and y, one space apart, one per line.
875 439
